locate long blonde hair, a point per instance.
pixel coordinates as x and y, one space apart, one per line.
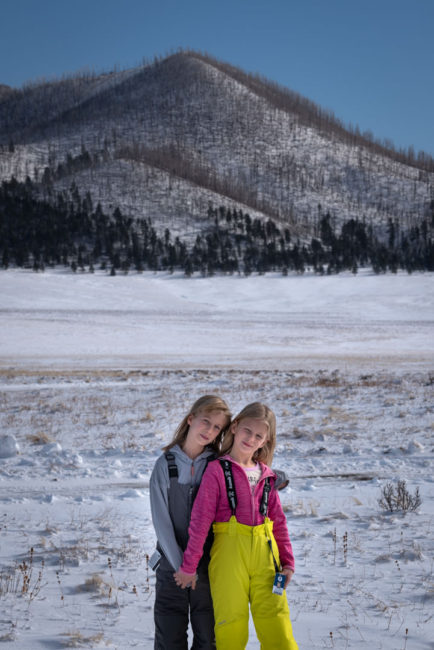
258 411
204 404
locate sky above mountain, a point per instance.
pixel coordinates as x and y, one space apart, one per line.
369 62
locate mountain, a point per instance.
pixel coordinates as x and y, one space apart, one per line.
173 140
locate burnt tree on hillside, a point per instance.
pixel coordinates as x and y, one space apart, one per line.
35 233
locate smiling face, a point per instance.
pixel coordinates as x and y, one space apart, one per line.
250 434
203 429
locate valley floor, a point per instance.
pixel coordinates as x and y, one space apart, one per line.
96 374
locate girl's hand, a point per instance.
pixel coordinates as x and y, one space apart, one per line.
288 573
184 580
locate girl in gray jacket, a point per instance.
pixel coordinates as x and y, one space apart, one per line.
174 482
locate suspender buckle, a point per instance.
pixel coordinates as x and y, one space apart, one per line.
171 465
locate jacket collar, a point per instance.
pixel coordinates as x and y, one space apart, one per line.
182 456
265 470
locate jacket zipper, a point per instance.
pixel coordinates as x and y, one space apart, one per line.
252 495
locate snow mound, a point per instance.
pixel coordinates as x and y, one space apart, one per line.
8 446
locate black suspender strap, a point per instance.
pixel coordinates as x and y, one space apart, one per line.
173 469
232 495
208 460
263 508
276 568
230 485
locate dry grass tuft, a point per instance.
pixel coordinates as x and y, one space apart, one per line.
21 580
95 584
76 639
39 438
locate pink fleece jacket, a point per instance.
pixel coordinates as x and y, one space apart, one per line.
211 504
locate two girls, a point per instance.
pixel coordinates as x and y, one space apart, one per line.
251 551
173 486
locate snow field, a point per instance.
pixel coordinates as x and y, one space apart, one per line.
77 493
96 373
63 320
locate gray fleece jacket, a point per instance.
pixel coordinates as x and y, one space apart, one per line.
189 473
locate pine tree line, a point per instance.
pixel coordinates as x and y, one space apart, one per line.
70 231
187 119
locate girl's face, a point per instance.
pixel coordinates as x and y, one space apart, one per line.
250 434
205 427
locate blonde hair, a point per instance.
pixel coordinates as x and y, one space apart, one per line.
204 404
257 411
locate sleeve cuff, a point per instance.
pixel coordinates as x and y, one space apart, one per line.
187 573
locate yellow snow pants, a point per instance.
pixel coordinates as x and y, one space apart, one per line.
242 571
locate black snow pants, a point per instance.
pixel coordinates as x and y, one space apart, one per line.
174 607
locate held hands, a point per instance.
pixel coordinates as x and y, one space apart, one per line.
184 580
288 573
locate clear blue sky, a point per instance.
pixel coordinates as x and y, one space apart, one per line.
370 61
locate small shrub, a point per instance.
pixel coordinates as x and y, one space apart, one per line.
21 581
397 497
40 438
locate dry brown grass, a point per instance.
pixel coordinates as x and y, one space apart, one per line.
76 639
47 375
23 579
39 438
95 585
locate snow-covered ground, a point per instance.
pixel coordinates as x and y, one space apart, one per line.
95 374
157 320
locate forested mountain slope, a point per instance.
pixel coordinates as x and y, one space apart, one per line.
175 139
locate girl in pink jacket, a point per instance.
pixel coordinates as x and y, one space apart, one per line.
251 557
